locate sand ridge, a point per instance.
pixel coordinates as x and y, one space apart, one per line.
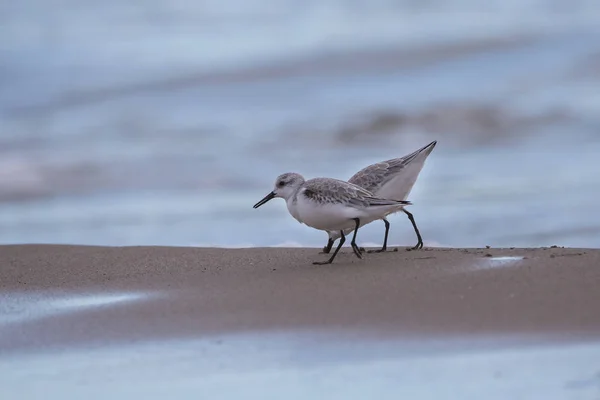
201 291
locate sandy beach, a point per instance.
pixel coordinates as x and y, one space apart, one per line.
199 291
61 299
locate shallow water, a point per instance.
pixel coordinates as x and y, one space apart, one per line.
170 136
300 366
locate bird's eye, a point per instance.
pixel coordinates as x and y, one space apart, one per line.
280 183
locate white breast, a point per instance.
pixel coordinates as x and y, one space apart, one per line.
325 216
293 209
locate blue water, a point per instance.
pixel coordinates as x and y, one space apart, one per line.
164 122
300 366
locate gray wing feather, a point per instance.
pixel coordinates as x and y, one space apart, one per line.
333 191
375 176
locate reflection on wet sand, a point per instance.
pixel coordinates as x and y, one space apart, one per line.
503 261
20 307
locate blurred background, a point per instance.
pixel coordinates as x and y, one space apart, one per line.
161 122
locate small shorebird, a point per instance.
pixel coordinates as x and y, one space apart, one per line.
330 205
391 179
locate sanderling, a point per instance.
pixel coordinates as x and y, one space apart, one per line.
330 205
391 179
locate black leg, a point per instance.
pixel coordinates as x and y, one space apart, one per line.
327 248
353 243
387 231
342 240
419 244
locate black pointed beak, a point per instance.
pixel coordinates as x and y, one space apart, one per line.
265 199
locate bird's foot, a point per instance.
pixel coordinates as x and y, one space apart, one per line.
325 250
356 250
418 246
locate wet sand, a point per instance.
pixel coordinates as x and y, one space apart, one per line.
57 296
156 322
